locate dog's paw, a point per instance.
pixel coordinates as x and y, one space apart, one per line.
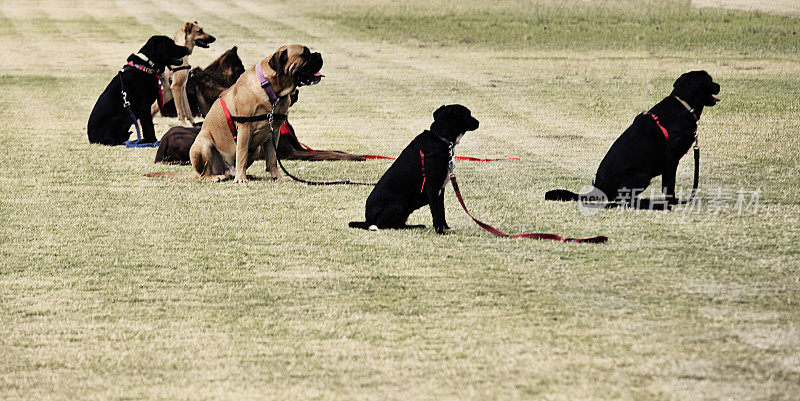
441 230
373 228
240 180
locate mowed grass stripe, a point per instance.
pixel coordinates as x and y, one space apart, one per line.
652 26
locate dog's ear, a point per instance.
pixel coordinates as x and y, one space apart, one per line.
278 60
157 45
681 80
187 28
439 116
147 49
439 112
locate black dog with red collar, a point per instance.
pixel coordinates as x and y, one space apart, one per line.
653 145
110 121
418 176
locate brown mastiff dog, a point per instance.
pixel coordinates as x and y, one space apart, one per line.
225 148
190 35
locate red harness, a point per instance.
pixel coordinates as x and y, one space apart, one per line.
663 130
231 124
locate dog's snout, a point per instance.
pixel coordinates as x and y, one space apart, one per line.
474 123
314 62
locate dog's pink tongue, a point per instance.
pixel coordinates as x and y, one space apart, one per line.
319 75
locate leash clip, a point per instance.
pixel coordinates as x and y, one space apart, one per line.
272 133
125 102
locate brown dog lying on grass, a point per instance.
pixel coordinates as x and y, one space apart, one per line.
175 145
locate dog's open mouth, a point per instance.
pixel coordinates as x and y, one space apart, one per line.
204 43
715 91
309 73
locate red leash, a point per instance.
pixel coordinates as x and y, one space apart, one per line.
475 159
286 131
596 240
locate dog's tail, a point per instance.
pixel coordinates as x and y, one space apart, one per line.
561 195
363 225
170 175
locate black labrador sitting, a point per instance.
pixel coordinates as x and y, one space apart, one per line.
418 176
109 122
652 146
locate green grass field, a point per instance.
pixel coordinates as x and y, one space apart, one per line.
114 286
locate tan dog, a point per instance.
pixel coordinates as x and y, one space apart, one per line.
190 35
219 153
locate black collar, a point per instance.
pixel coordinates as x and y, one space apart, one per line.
183 67
446 141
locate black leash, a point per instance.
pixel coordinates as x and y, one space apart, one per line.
260 117
342 182
275 145
696 148
127 104
696 174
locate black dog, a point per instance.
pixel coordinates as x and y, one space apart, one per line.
653 145
418 176
110 121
